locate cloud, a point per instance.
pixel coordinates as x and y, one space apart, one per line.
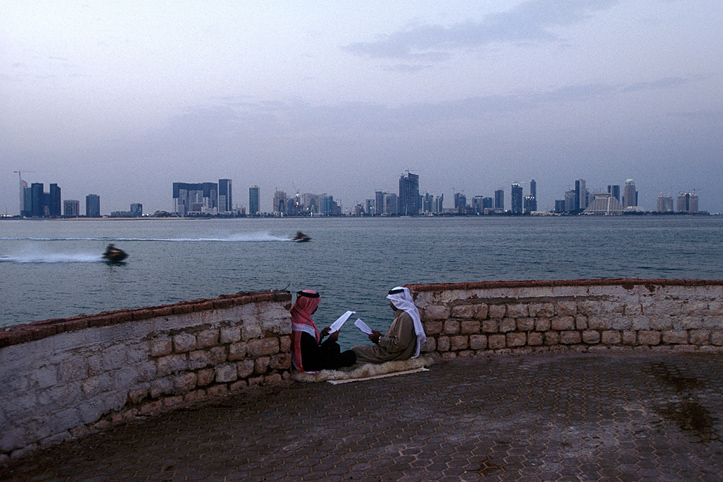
531 21
666 83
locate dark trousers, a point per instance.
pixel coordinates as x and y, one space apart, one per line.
327 356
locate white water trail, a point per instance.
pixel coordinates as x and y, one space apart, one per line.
52 258
229 238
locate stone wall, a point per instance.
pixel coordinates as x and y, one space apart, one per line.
465 319
64 378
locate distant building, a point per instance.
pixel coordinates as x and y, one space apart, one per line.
614 191
516 203
390 204
329 207
460 202
71 208
687 203
195 198
530 205
630 195
604 204
533 189
310 203
254 196
500 199
136 210
279 203
26 200
665 204
92 206
439 204
54 202
369 209
570 197
225 196
559 205
409 194
581 195
37 206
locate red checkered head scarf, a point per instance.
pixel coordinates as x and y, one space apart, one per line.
301 322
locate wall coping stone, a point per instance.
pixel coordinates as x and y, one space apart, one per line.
627 283
37 330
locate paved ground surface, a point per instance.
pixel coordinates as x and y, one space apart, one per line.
623 416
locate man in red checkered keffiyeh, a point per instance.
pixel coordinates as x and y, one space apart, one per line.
307 350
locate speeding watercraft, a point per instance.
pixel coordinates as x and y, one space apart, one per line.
114 255
301 237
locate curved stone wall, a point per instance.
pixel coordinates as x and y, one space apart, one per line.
64 378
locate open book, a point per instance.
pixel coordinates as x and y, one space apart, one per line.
363 327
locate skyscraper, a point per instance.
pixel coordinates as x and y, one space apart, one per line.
665 204
533 189
409 194
614 191
254 200
580 195
54 204
500 199
225 197
378 203
516 198
630 195
687 203
92 206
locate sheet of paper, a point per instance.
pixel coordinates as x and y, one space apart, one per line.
363 326
336 326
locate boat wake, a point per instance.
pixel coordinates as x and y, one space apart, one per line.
52 258
231 238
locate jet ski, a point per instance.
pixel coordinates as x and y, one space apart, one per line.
114 255
301 237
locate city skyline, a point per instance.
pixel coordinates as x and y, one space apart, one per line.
216 198
119 99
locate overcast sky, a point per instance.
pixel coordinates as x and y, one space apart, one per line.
124 98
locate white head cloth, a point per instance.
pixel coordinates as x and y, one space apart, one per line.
403 301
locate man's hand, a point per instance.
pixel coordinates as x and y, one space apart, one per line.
334 336
374 336
325 331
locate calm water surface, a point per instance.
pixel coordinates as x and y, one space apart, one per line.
52 269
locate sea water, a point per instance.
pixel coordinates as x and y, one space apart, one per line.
54 269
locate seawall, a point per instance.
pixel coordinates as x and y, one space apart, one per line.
465 319
65 378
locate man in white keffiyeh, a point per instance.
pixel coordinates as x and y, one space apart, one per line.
405 336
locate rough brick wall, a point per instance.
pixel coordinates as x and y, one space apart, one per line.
64 378
465 319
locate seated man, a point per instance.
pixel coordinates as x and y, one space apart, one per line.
308 352
404 337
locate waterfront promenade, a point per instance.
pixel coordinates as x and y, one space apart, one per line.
617 416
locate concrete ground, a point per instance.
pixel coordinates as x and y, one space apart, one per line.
622 416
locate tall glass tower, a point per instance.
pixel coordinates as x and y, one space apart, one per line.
254 200
516 198
409 194
225 199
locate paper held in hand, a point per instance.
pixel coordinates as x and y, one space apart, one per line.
363 326
336 326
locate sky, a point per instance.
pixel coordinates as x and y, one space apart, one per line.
123 98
